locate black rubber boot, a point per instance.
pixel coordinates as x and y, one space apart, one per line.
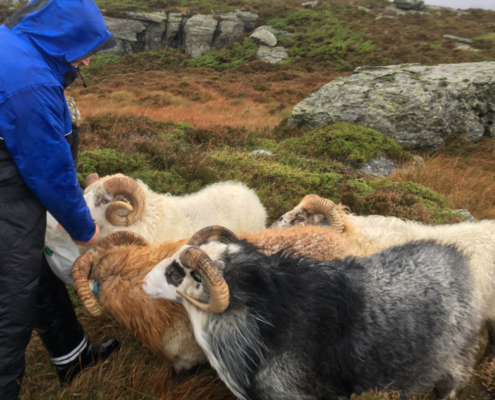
87 358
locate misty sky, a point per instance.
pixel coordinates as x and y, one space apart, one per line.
486 4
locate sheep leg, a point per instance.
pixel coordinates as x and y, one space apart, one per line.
445 388
490 347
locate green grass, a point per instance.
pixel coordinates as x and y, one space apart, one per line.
234 56
320 35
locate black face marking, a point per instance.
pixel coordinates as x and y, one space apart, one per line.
197 286
195 276
174 274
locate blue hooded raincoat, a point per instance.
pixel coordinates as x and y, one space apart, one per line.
37 45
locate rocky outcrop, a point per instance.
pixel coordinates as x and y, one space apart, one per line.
413 104
271 55
461 43
196 34
266 37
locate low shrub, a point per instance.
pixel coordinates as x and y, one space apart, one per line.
353 144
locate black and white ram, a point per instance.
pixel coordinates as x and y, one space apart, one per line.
284 328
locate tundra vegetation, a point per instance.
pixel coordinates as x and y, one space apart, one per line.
180 125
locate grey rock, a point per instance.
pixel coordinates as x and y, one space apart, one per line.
458 39
173 36
310 4
465 214
409 4
413 104
10 1
379 167
464 46
229 29
271 55
261 153
121 49
125 29
277 32
264 37
154 35
249 19
198 34
384 166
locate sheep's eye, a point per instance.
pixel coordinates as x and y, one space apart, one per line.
105 201
176 277
300 219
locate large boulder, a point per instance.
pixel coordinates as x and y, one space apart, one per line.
229 29
173 34
198 34
413 104
155 23
125 29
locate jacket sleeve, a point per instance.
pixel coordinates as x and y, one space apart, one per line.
33 127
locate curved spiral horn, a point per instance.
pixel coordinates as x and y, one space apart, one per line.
315 204
131 189
216 233
80 273
198 260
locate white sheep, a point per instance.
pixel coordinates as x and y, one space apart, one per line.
475 239
119 203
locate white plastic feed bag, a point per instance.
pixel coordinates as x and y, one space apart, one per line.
60 250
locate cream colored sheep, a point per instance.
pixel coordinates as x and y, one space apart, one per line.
475 239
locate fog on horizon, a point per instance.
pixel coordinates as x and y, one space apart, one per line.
463 4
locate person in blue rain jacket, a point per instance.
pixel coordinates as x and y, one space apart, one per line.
40 47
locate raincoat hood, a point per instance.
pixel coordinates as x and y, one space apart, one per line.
64 31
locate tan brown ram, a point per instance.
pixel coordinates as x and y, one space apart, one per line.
121 261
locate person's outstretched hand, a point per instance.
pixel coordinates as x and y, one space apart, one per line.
92 241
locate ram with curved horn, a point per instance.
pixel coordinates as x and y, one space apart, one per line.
118 202
476 240
284 328
122 259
